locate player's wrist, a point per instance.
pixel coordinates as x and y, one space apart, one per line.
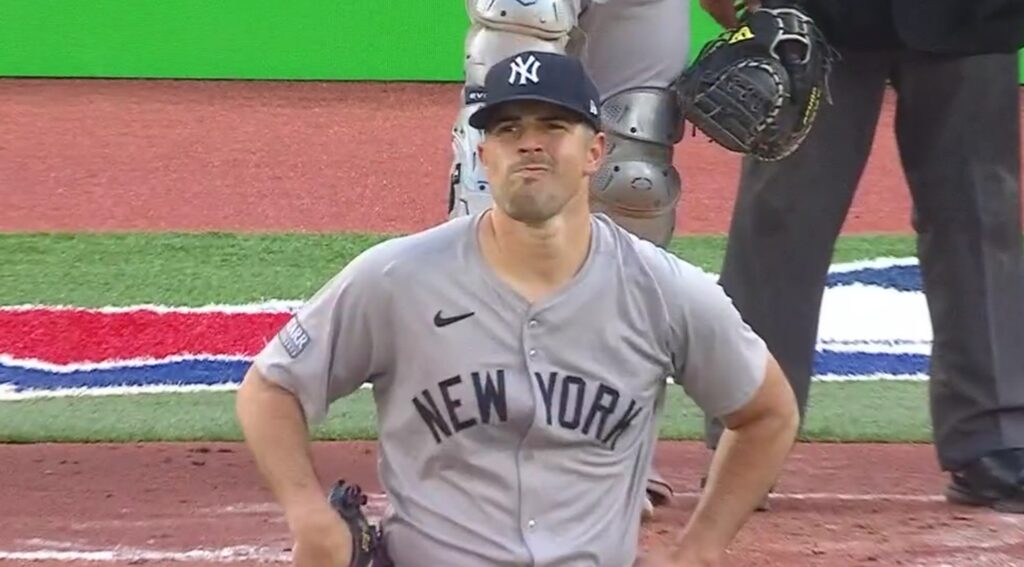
700 544
322 540
698 553
310 514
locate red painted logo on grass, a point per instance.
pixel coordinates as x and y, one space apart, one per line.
63 336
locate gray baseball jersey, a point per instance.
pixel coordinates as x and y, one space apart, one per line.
511 433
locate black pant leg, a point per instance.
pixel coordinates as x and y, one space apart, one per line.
958 128
788 215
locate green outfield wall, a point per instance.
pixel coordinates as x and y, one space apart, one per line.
415 40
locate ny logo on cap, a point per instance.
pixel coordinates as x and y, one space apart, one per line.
523 71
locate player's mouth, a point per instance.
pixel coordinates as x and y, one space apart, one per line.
533 168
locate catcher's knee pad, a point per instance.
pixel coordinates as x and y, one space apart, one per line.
637 185
498 29
501 28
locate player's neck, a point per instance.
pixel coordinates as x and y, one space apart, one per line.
537 260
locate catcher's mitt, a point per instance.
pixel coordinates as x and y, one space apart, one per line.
756 89
367 550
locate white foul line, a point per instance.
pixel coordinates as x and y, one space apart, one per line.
236 554
832 497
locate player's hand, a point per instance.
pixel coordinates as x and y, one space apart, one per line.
321 539
724 11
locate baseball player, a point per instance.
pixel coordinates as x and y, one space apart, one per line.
518 358
633 50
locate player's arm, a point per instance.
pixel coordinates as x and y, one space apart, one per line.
276 433
277 436
749 457
332 345
728 371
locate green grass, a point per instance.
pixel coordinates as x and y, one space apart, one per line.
839 412
188 269
115 269
193 269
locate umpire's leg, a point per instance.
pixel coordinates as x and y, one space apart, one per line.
958 127
788 214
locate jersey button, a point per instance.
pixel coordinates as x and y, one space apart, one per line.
531 524
533 352
532 324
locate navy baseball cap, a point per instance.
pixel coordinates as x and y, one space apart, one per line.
543 76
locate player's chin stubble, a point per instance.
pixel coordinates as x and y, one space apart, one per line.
530 203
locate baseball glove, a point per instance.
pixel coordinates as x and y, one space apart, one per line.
348 501
756 89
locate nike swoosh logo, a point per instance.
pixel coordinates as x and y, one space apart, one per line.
442 321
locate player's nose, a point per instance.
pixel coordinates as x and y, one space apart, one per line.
531 140
531 151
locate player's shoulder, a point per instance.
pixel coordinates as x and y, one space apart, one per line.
644 259
410 255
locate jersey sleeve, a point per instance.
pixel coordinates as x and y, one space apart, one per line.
719 360
335 342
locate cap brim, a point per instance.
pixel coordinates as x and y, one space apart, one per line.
480 118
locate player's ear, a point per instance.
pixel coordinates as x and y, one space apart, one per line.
481 151
596 148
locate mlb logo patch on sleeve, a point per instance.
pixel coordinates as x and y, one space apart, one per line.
293 337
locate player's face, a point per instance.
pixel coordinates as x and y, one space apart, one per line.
538 158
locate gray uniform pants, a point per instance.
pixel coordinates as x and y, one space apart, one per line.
958 131
633 43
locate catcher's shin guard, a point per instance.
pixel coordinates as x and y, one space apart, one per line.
638 186
498 29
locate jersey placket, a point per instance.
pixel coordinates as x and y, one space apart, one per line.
535 532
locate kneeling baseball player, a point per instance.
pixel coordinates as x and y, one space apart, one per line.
518 359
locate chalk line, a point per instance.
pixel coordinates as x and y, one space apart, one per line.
377 502
236 554
56 551
839 497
